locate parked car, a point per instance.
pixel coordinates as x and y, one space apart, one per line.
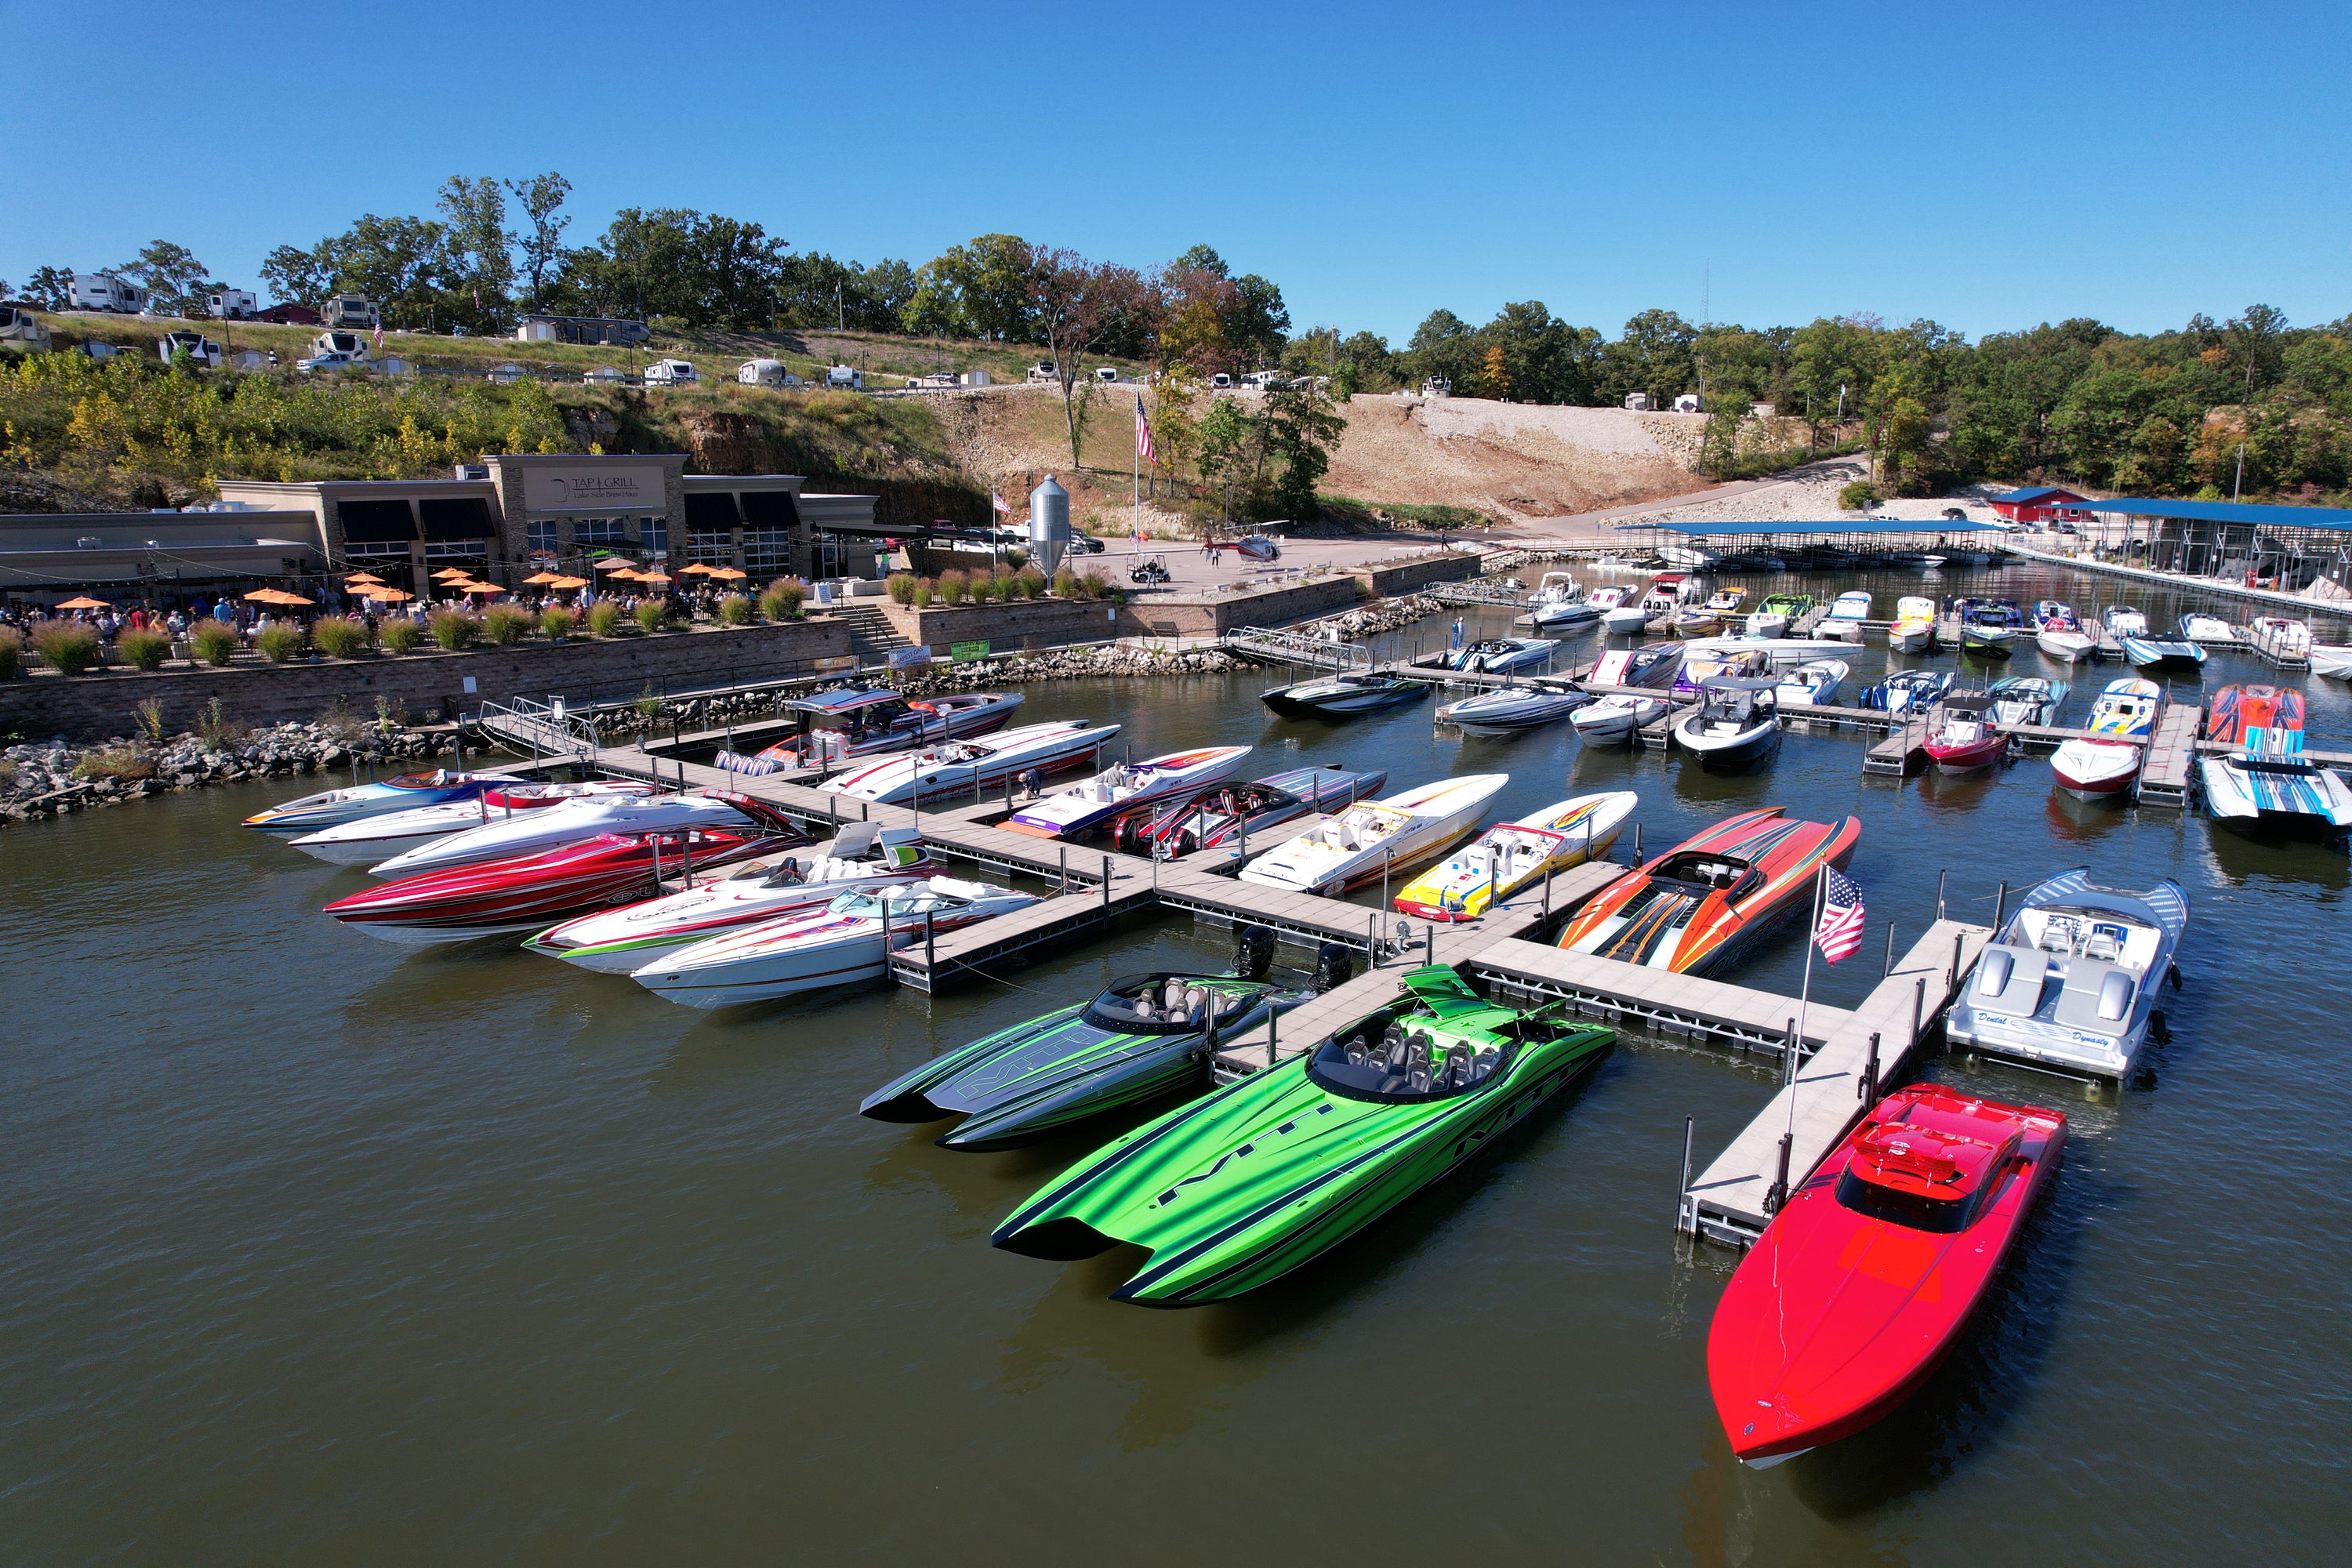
1086 543
1221 380
19 325
1105 372
199 348
290 316
672 373
331 362
1042 370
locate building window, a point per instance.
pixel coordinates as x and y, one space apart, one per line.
653 532
767 550
377 551
600 534
539 536
717 549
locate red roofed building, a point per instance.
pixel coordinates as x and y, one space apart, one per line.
2036 506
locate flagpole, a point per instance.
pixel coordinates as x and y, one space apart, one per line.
1805 996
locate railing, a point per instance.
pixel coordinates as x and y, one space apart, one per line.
543 728
1477 592
1269 645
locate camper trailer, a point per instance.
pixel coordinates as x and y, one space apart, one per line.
1437 386
671 372
105 291
231 304
19 325
349 346
765 372
582 330
1687 403
1637 402
351 311
1221 382
845 375
200 349
1043 370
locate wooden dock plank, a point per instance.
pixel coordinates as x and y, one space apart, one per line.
1656 998
1728 1200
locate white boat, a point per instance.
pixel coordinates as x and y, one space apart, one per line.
2072 981
368 840
2062 637
1374 836
1914 628
845 941
2105 762
1513 709
2275 785
961 767
2332 660
1813 683
2027 700
863 856
2283 635
1092 802
1690 557
1785 653
1736 722
1847 613
1512 856
408 791
1613 720
502 838
2214 629
1494 655
1559 601
1631 618
2125 622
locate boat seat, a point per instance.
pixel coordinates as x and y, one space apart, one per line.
1171 997
1196 1002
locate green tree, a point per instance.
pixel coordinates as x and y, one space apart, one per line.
478 266
1255 321
1652 354
541 197
1444 346
51 288
1299 428
171 274
400 263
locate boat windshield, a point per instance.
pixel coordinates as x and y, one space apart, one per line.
1703 872
1401 1061
1171 1003
1912 1211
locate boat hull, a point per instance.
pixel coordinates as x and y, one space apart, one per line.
1439 819
1968 756
1346 704
2095 770
1647 918
928 775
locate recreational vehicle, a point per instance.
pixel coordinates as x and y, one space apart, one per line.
105 291
671 372
351 311
582 330
200 349
845 375
765 372
350 345
19 325
231 304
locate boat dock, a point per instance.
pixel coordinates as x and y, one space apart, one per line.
1822 1095
2169 777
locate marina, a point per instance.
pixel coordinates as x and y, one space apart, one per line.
657 1118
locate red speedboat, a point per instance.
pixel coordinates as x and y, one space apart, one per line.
1968 738
1212 815
1861 1283
531 892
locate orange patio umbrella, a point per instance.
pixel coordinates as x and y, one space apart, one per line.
450 574
695 569
275 596
568 584
483 588
614 564
728 573
653 576
84 603
389 596
363 579
538 579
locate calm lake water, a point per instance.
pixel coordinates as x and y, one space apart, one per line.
317 1250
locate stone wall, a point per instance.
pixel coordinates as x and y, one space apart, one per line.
1041 623
425 684
1452 566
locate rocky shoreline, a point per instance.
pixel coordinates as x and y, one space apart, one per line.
51 780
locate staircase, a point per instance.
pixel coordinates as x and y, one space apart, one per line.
871 634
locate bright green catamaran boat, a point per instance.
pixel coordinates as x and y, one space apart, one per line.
1239 1187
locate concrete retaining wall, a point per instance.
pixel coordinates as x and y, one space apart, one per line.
423 682
1386 581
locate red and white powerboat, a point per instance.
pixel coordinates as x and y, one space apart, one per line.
530 832
405 793
1092 802
2104 763
532 891
368 840
1967 739
863 856
1863 1281
847 941
853 723
959 767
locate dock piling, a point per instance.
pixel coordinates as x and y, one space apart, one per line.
1866 1090
929 936
1372 941
1953 982
1999 903
1919 1006
1939 893
1690 1133
1106 885
1065 886
1778 1195
1887 967
1637 844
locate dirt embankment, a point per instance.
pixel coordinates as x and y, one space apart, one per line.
1512 460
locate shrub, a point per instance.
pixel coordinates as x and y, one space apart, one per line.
1096 585
212 642
401 636
452 629
1066 584
114 762
149 715
603 619
955 587
901 586
984 587
925 592
340 637
735 610
12 652
1016 558
216 728
66 646
147 651
783 599
653 615
1857 495
1032 583
506 625
280 643
557 621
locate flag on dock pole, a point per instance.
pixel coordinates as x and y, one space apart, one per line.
1838 931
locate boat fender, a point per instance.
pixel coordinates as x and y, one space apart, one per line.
2172 977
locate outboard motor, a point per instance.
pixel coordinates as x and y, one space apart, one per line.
1253 953
1333 966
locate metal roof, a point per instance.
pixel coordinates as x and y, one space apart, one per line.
2223 511
1843 525
2034 493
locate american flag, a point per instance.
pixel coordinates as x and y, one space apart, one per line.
1143 433
998 501
1840 931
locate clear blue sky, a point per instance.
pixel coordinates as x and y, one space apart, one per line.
1987 165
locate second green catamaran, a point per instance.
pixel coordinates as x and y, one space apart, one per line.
1239 1187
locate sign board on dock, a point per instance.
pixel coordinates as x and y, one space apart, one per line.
966 652
834 664
910 657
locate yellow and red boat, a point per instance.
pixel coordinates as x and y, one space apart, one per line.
1712 896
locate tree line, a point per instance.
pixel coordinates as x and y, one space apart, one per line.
2248 405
